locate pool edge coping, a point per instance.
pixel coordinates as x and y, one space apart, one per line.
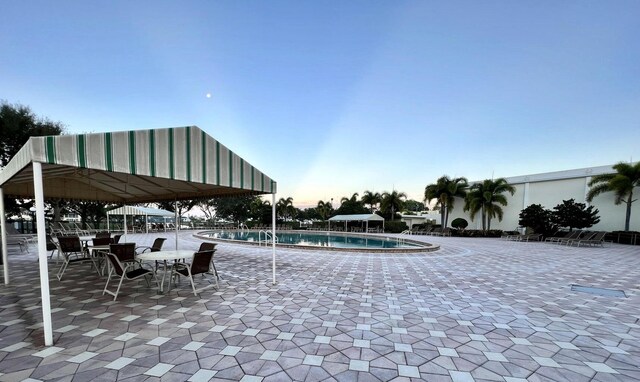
424 246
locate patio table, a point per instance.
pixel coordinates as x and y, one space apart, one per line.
165 256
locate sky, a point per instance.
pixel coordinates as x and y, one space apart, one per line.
330 98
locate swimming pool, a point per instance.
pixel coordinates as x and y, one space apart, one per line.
323 240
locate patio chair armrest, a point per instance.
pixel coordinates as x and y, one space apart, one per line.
144 249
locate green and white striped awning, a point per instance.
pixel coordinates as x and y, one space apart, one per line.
133 167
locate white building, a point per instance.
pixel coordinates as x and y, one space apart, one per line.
550 189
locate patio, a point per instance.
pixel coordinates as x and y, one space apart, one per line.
477 310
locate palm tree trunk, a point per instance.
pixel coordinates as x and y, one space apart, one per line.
628 217
484 219
488 223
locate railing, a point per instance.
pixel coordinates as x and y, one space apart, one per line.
267 237
406 232
621 237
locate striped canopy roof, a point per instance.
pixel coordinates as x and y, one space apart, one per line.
133 167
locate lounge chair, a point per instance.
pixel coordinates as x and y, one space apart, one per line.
568 236
530 237
596 238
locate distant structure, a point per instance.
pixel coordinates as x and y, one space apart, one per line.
550 189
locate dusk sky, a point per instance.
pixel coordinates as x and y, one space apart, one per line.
335 97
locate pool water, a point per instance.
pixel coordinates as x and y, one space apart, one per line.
324 239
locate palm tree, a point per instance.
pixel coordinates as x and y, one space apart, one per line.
487 198
445 190
324 209
353 199
393 202
371 198
622 183
284 207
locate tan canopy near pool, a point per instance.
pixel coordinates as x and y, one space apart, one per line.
124 167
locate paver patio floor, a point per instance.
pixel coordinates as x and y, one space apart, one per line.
476 310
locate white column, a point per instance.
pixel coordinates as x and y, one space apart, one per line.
42 254
124 218
175 208
108 230
273 235
3 239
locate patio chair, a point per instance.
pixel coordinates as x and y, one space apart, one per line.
103 234
72 252
125 252
99 254
200 264
155 247
124 271
115 239
206 246
52 246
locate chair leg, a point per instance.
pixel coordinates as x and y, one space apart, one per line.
119 285
105 290
62 269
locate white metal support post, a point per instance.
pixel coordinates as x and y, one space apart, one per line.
273 235
175 208
3 239
42 254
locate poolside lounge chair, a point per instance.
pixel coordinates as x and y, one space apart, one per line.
530 237
590 239
568 236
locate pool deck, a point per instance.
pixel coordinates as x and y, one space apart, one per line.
476 310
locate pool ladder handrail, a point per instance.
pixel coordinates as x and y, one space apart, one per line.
267 237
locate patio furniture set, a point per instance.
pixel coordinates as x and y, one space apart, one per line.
124 261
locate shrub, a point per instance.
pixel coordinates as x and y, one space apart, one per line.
395 226
459 223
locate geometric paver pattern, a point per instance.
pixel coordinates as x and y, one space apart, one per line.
476 310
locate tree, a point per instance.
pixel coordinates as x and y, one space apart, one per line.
93 212
575 215
622 183
324 209
352 205
184 206
261 211
17 124
488 199
537 218
391 202
236 209
414 206
459 223
444 191
371 198
285 208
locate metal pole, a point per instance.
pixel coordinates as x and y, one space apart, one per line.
3 239
42 254
124 216
273 235
175 207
